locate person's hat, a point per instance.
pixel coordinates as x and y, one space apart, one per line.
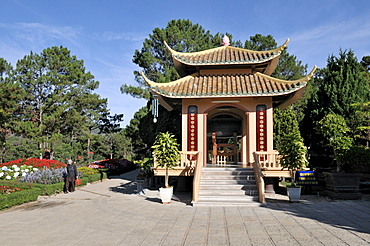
70 161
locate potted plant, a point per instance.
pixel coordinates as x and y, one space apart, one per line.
166 155
293 157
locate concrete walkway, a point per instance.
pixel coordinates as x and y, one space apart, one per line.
111 213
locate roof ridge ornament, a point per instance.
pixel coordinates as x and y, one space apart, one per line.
225 41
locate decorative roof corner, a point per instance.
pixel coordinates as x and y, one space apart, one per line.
298 81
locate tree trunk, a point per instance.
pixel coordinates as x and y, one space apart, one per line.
166 179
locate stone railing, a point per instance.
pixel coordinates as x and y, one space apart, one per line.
188 159
259 178
269 160
197 175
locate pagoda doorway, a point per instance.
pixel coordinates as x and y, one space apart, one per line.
224 136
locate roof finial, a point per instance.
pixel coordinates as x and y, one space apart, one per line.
225 41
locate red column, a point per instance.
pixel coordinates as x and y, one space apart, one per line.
192 128
261 128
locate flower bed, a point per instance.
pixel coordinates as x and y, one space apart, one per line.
34 162
45 176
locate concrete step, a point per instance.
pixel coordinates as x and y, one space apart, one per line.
208 186
211 203
227 172
227 187
225 192
227 169
227 197
225 182
228 177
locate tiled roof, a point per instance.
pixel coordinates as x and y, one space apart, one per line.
225 55
251 85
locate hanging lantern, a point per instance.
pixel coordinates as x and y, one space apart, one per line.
155 108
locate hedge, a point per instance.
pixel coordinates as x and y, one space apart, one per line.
30 192
49 189
19 197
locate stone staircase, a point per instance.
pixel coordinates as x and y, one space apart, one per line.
227 186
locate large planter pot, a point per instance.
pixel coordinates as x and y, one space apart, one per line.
343 185
166 194
294 193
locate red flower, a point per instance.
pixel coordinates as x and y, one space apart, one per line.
34 162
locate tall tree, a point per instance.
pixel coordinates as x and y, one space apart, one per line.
11 96
110 126
335 88
285 123
340 85
56 85
156 61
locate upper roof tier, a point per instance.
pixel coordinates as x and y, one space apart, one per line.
226 55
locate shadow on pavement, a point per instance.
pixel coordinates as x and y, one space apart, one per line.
127 188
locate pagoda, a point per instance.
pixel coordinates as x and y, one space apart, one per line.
227 96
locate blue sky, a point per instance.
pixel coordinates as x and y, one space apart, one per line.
105 34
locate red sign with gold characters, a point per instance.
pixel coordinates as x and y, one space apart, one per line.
261 128
192 128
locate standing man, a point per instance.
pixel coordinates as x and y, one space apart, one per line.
71 176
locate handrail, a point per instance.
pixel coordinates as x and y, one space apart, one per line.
269 160
197 175
185 161
259 178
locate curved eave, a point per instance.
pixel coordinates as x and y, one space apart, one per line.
302 80
182 57
187 87
153 84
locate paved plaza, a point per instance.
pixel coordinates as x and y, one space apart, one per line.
112 213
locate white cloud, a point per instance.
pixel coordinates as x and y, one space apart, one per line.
38 33
125 36
336 32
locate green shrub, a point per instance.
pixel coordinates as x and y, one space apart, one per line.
19 197
31 191
15 184
356 159
88 170
50 189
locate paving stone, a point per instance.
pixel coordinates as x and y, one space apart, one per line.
111 213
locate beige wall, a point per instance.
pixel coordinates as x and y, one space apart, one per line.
247 111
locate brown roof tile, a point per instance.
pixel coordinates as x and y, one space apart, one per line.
226 55
256 84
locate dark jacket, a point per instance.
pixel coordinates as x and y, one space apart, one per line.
72 171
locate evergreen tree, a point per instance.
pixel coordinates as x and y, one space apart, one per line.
110 126
340 85
11 96
156 61
335 88
285 123
59 98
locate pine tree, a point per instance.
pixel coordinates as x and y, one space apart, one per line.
59 100
341 85
11 96
156 61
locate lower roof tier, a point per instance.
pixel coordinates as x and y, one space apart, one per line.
243 85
